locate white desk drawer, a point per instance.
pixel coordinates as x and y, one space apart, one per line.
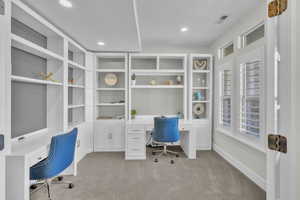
37 157
136 150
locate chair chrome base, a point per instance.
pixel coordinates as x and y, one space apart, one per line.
165 152
46 183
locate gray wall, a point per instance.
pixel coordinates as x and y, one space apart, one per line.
249 157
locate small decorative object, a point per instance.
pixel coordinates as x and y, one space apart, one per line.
169 82
152 82
71 81
133 79
111 79
203 83
47 77
179 80
198 96
198 109
133 114
200 64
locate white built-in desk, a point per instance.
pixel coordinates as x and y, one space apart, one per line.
136 136
24 154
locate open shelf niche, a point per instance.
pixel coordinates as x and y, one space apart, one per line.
200 98
36 75
76 84
111 86
157 79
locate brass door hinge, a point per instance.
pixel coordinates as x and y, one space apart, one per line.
277 143
277 7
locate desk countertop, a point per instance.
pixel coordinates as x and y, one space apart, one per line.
30 145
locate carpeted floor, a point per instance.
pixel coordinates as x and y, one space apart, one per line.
107 176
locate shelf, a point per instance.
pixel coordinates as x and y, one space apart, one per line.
200 88
73 64
156 72
30 47
200 101
76 86
111 89
76 106
110 104
31 80
201 71
157 86
110 70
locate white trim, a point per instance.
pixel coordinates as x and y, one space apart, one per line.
36 81
241 140
257 179
137 25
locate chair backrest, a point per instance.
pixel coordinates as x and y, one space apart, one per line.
61 155
166 129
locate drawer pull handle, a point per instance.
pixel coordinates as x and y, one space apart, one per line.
39 158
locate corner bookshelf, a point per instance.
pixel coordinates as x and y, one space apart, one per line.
111 86
200 94
37 68
76 85
159 86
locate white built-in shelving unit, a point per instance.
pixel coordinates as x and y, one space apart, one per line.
200 87
159 86
44 61
76 84
111 100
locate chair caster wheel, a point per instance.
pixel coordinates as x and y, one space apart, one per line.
156 160
153 153
71 185
60 178
177 156
33 187
172 162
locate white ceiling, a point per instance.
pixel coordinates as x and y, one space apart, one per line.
90 21
158 21
161 20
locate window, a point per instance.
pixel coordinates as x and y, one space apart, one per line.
253 35
225 97
250 98
226 50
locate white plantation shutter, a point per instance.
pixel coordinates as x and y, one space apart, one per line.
226 98
250 99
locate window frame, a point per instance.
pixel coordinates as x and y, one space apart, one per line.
221 50
226 67
242 37
251 56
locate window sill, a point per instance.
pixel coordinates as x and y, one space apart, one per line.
239 139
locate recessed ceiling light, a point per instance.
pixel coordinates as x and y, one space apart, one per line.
101 43
184 29
66 3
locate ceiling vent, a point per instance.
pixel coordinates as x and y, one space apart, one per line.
222 19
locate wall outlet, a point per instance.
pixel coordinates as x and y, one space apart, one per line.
2 7
78 143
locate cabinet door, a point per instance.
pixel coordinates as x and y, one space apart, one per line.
109 136
203 136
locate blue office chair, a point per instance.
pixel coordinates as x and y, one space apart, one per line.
61 156
165 131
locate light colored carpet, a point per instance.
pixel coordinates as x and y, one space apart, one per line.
107 176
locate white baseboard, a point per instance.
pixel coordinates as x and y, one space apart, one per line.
261 182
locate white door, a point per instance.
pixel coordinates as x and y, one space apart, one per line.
4 89
278 105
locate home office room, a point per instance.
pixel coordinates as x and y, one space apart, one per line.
148 99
